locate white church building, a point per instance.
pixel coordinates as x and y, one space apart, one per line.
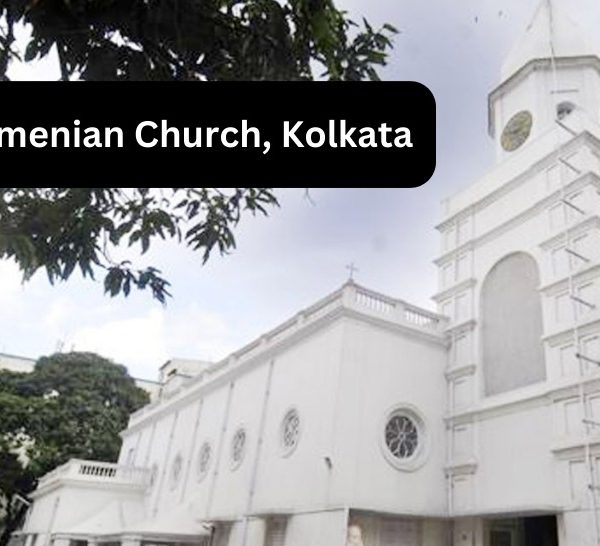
366 421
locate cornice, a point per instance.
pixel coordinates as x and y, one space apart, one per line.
585 179
455 289
460 371
584 224
583 325
542 394
585 137
585 273
463 326
574 447
461 468
566 334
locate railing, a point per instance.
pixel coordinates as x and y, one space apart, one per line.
422 318
374 302
97 472
397 310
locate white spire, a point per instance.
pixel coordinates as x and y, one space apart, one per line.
550 25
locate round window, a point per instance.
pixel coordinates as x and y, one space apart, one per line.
564 109
290 431
176 469
238 447
204 458
404 439
401 436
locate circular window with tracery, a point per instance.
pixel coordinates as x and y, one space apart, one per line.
401 436
404 438
238 447
204 458
290 431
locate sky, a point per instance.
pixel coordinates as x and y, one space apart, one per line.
298 254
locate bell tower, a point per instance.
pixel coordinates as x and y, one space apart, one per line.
552 71
519 280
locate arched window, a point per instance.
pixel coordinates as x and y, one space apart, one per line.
511 325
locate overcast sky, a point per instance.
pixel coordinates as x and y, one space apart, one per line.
298 254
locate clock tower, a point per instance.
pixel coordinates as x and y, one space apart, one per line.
519 277
552 72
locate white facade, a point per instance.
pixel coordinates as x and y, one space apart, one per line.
336 371
368 422
15 363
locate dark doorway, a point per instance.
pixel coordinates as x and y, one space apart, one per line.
533 531
540 531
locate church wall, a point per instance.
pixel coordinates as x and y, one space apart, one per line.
390 530
305 378
317 529
383 371
515 466
576 529
158 452
233 480
68 506
177 457
213 419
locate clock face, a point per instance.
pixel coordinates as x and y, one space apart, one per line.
516 131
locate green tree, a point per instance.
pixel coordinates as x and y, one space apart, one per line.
61 229
72 405
194 40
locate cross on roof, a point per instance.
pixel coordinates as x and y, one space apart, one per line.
351 269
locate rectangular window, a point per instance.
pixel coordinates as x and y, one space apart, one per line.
587 296
594 407
462 394
573 423
462 353
569 364
462 267
590 348
556 216
464 230
576 209
222 532
449 238
563 307
447 309
553 178
461 493
462 442
447 274
399 533
581 245
275 532
560 262
462 307
578 480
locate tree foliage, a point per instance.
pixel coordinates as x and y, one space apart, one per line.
195 39
61 229
72 405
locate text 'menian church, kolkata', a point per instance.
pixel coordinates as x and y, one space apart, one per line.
366 421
